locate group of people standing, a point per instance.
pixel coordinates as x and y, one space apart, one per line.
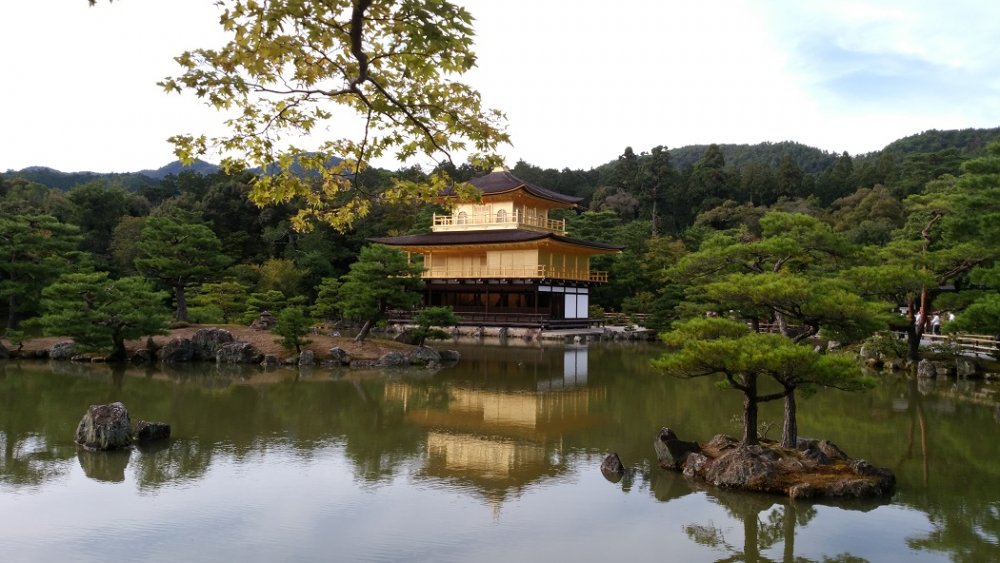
934 323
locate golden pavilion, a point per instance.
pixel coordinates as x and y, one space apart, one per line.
502 261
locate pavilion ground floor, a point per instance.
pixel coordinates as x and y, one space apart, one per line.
542 303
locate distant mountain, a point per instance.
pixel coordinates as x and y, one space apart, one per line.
969 142
809 159
68 180
176 167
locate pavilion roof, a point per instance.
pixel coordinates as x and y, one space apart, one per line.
501 181
465 238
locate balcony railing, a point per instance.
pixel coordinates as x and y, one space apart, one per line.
507 272
512 221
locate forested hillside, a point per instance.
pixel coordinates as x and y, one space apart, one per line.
930 205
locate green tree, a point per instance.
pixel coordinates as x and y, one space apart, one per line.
291 63
292 326
179 252
272 301
790 275
326 307
124 244
658 181
715 346
380 280
34 250
429 321
281 275
219 301
951 229
100 313
789 179
99 209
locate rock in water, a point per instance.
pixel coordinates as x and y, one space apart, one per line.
670 451
105 427
449 356
151 431
926 369
424 356
612 468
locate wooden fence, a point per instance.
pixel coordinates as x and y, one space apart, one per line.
978 344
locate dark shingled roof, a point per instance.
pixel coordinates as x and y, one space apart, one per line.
487 237
500 181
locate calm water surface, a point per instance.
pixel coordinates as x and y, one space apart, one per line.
496 459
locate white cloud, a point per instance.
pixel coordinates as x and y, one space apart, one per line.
579 80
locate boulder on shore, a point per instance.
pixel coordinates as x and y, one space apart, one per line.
424 356
307 358
177 350
816 468
207 341
238 353
340 356
105 427
61 351
391 360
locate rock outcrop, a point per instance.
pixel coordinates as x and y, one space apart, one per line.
671 452
238 353
424 356
816 468
61 351
207 341
339 356
307 358
177 350
105 427
391 360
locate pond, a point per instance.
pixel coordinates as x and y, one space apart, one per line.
495 459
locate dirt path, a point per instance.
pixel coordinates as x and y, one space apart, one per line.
263 341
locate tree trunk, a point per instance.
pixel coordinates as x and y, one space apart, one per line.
182 308
913 336
751 537
118 353
750 412
790 431
779 319
655 233
788 529
12 312
365 331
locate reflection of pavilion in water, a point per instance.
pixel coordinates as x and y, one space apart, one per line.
499 433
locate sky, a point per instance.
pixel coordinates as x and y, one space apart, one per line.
579 80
